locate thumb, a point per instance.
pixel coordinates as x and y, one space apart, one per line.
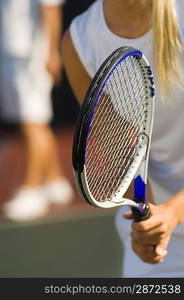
128 215
161 249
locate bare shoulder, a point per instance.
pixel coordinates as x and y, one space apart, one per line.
75 71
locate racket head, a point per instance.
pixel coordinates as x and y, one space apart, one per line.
102 194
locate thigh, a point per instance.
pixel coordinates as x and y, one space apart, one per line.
26 92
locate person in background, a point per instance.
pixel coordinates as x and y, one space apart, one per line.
30 64
153 247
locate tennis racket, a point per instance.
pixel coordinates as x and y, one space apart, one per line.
113 132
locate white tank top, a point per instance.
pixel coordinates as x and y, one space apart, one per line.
93 45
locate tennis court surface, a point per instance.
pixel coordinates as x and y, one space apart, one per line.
72 241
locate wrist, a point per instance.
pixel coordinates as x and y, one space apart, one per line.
176 205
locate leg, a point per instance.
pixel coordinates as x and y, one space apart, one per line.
30 90
42 159
43 165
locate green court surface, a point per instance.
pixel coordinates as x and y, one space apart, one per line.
82 245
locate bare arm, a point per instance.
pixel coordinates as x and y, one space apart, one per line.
77 75
52 23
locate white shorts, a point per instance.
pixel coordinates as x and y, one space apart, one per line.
132 266
25 91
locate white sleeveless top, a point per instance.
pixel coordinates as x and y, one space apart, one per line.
93 45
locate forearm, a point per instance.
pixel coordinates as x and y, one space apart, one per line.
176 204
52 23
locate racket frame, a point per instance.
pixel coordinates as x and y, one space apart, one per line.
138 168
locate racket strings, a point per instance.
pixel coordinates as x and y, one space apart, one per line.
134 104
111 124
111 166
126 94
102 150
127 125
115 129
128 143
115 158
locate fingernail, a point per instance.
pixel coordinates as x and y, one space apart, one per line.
161 252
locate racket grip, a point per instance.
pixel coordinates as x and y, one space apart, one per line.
141 215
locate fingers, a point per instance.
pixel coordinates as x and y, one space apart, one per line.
160 251
150 237
55 73
150 245
128 215
151 223
147 253
151 249
54 66
161 248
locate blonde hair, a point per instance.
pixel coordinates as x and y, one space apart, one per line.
167 44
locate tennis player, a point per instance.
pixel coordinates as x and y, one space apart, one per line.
30 64
154 247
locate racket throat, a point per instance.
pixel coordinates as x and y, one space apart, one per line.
139 190
142 212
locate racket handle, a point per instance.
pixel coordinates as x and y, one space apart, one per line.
141 215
